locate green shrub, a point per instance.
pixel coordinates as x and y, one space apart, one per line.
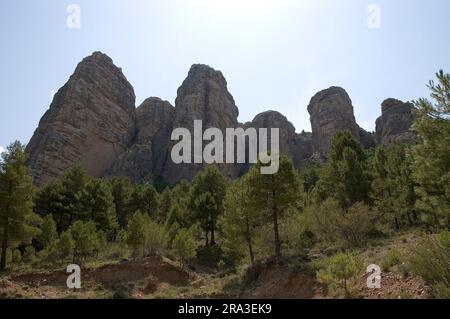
184 246
122 292
9 256
296 235
145 236
210 255
48 231
343 228
52 253
393 258
430 259
16 257
65 245
86 240
29 254
122 237
157 238
339 273
41 258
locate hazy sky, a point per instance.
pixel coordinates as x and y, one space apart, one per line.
275 54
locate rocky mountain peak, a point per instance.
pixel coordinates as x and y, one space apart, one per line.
392 104
394 124
333 92
202 96
90 122
331 111
203 82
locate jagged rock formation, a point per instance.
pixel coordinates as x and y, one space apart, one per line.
147 155
91 121
331 111
297 146
394 125
202 96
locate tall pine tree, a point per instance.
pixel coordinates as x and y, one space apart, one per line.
431 169
344 177
272 195
239 221
18 223
95 203
206 201
392 186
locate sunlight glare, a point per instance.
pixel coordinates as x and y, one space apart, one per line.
235 7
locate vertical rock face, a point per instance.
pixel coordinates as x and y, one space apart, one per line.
152 116
297 146
144 160
302 150
91 121
394 125
331 111
202 96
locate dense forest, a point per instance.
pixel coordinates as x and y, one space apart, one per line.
356 198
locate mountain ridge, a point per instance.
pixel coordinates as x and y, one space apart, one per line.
93 122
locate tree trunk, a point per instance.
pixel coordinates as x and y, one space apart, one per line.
206 238
397 224
5 232
276 233
345 288
213 240
4 244
249 243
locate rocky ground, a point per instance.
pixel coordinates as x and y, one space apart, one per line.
158 277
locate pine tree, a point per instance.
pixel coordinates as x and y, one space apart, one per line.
18 223
48 200
85 239
16 257
72 182
273 195
184 246
392 189
137 232
206 201
165 205
95 203
239 221
48 231
122 189
144 198
158 238
175 204
65 245
29 254
344 177
176 216
431 168
340 271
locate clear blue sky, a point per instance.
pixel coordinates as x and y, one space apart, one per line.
274 54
